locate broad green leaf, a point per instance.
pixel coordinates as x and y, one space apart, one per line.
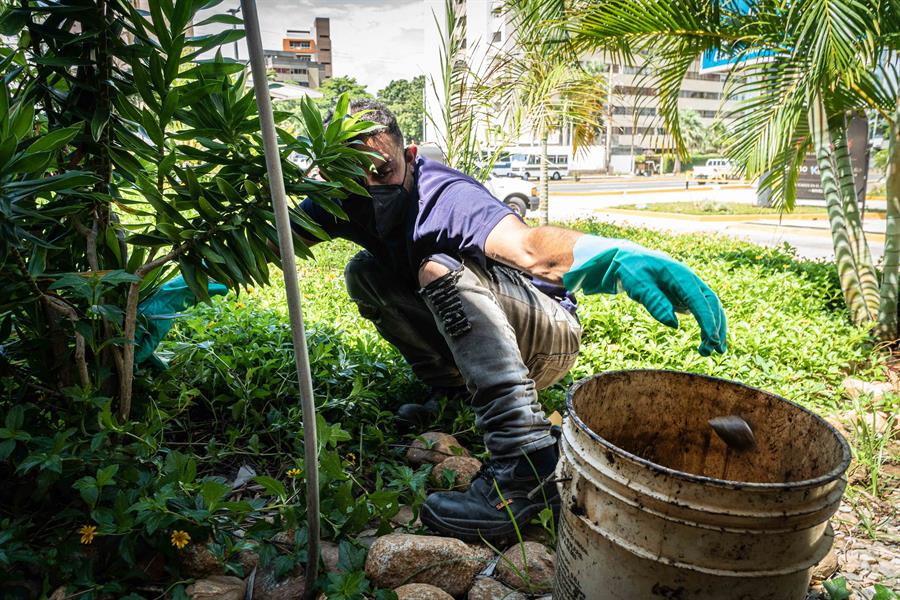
118 277
98 123
54 140
15 418
272 486
105 475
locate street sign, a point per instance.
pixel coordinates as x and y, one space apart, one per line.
809 184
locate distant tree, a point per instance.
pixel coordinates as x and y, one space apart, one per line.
332 89
406 99
693 135
716 137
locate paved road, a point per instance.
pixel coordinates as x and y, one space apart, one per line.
811 237
603 184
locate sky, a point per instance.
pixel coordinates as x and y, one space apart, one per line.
374 41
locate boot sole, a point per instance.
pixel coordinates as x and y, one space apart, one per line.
472 532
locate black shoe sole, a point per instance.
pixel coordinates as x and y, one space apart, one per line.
471 532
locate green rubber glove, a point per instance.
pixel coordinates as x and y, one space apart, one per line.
662 284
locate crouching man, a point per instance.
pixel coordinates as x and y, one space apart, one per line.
475 299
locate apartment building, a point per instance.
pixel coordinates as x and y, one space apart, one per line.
634 126
305 55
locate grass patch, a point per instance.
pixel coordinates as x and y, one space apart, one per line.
719 208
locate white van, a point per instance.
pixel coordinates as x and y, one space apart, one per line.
528 165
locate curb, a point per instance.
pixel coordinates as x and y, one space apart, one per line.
709 218
654 190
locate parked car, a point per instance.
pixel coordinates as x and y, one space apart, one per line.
519 195
715 168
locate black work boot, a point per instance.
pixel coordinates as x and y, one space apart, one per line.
420 417
416 417
526 486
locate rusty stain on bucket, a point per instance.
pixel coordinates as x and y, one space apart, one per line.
660 505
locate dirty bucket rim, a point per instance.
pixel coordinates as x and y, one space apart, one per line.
831 475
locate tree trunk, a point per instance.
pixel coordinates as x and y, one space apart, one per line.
845 260
609 117
545 182
887 310
868 277
676 168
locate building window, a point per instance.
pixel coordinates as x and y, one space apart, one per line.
498 37
300 44
631 90
700 95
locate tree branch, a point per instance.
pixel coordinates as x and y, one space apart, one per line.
126 378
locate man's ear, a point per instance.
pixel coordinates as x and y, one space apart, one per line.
410 153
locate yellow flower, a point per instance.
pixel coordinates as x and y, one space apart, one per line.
87 533
294 472
240 305
250 289
758 256
180 539
351 457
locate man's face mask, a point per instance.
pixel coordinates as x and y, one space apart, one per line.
389 206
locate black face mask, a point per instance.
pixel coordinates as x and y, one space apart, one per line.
389 206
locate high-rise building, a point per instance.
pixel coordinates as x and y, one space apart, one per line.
305 55
631 122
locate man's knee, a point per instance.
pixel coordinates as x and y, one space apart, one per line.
431 271
438 276
361 274
436 266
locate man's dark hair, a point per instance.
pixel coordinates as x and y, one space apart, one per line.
377 113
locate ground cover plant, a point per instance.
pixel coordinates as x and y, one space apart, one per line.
227 401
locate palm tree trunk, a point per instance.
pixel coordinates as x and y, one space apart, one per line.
845 259
868 277
887 310
545 183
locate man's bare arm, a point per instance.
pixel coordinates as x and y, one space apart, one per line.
544 252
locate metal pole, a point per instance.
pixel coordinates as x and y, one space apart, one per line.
233 12
289 267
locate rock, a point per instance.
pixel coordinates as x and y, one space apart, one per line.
266 587
59 594
827 567
367 537
197 561
285 538
398 558
406 518
434 447
486 588
876 421
249 559
217 587
541 566
331 554
465 468
875 389
421 591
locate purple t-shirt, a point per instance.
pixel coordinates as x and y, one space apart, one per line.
451 214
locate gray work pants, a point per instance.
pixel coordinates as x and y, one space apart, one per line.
488 329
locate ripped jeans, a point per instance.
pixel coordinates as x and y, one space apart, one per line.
488 329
